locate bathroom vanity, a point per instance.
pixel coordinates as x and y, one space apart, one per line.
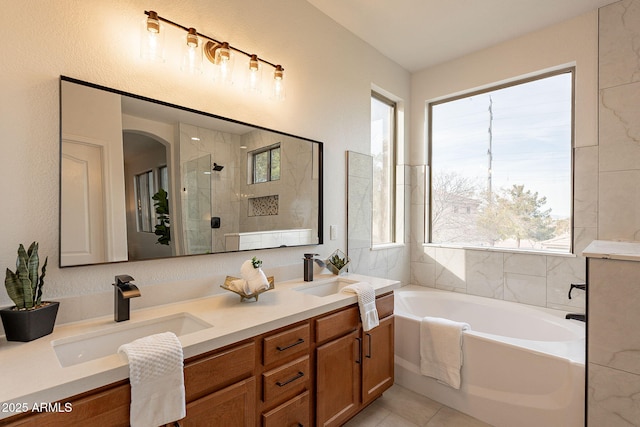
299 356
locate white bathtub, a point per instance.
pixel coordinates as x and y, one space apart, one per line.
523 365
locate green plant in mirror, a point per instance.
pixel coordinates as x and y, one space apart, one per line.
24 286
163 230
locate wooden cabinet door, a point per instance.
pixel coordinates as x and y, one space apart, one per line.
377 360
338 379
234 406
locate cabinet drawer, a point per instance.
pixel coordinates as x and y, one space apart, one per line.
337 324
294 412
107 407
384 305
211 373
280 346
233 406
286 381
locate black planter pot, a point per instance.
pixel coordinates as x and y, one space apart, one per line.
28 325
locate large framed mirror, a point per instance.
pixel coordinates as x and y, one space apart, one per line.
143 179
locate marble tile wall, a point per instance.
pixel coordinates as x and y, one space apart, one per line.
390 262
614 344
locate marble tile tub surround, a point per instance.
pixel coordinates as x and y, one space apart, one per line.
528 278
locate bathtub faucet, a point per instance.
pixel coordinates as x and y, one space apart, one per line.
576 316
581 286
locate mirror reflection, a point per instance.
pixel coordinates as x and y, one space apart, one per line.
141 179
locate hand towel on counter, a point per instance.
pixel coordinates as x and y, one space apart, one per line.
157 380
366 303
255 278
441 349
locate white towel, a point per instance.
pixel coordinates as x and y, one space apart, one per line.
255 278
441 349
366 302
157 380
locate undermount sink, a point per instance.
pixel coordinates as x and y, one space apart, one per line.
94 345
325 288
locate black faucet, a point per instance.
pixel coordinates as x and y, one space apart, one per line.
581 286
123 292
308 261
577 316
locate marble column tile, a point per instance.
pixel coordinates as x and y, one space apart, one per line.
525 289
614 299
582 237
359 260
561 273
417 180
529 264
423 274
359 165
398 264
613 397
619 206
619 128
484 270
451 271
585 187
619 30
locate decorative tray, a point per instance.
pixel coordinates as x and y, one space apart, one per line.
244 296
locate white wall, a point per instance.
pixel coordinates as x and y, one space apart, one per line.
329 74
531 279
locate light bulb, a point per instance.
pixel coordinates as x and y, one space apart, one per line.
278 83
253 80
152 38
224 61
192 54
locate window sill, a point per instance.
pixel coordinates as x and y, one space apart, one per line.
503 250
387 246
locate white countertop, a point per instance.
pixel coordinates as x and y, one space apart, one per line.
31 372
606 249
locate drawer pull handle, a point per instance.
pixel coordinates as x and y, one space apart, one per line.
368 355
300 374
286 347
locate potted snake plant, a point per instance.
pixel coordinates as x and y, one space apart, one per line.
30 318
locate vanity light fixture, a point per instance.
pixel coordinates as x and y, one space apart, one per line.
220 54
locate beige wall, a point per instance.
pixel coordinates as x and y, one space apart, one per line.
526 278
329 74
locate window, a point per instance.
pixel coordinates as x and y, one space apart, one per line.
266 164
501 166
145 189
383 142
144 192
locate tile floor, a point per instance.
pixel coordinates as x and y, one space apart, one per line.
399 407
